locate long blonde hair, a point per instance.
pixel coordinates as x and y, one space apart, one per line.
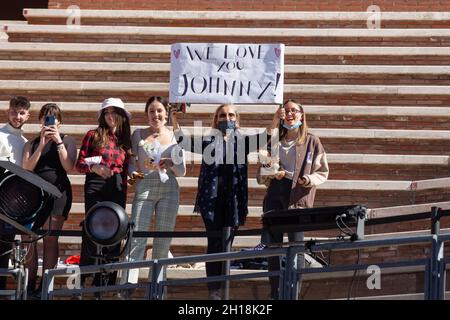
303 130
216 115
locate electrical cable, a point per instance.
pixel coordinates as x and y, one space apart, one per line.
341 229
354 276
345 225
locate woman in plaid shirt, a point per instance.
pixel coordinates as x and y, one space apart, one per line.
106 175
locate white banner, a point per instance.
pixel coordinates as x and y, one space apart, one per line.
226 73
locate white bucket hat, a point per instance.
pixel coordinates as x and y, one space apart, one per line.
114 102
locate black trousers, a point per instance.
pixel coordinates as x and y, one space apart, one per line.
5 246
277 198
97 189
220 243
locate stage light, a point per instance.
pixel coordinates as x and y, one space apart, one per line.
20 200
106 224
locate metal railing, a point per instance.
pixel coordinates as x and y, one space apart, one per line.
434 285
20 276
434 265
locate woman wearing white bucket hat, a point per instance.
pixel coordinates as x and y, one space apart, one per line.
104 157
114 102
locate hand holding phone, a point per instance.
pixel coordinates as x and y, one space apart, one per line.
49 121
179 107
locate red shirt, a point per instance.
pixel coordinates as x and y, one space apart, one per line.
113 156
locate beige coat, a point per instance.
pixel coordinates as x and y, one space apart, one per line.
311 163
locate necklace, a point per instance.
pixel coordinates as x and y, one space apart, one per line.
287 142
286 146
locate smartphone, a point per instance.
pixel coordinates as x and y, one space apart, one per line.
49 121
177 107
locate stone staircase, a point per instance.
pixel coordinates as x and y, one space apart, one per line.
378 99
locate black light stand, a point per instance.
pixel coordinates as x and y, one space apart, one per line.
106 225
9 218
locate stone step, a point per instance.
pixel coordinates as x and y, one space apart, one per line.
239 15
321 132
366 185
370 145
236 18
165 67
201 243
186 213
425 142
373 193
184 210
3 35
358 159
359 171
187 210
360 166
161 53
160 72
187 220
311 110
308 94
286 5
288 36
318 116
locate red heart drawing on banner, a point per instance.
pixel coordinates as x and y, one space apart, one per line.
176 53
277 52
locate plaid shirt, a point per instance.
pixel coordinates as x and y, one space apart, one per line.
113 156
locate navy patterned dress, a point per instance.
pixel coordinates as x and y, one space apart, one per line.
226 179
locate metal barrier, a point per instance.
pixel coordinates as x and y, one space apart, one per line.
434 268
20 275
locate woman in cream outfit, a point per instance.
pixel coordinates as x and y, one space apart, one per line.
158 162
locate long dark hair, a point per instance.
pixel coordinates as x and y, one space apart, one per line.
123 131
159 99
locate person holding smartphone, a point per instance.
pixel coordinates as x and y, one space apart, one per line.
51 155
